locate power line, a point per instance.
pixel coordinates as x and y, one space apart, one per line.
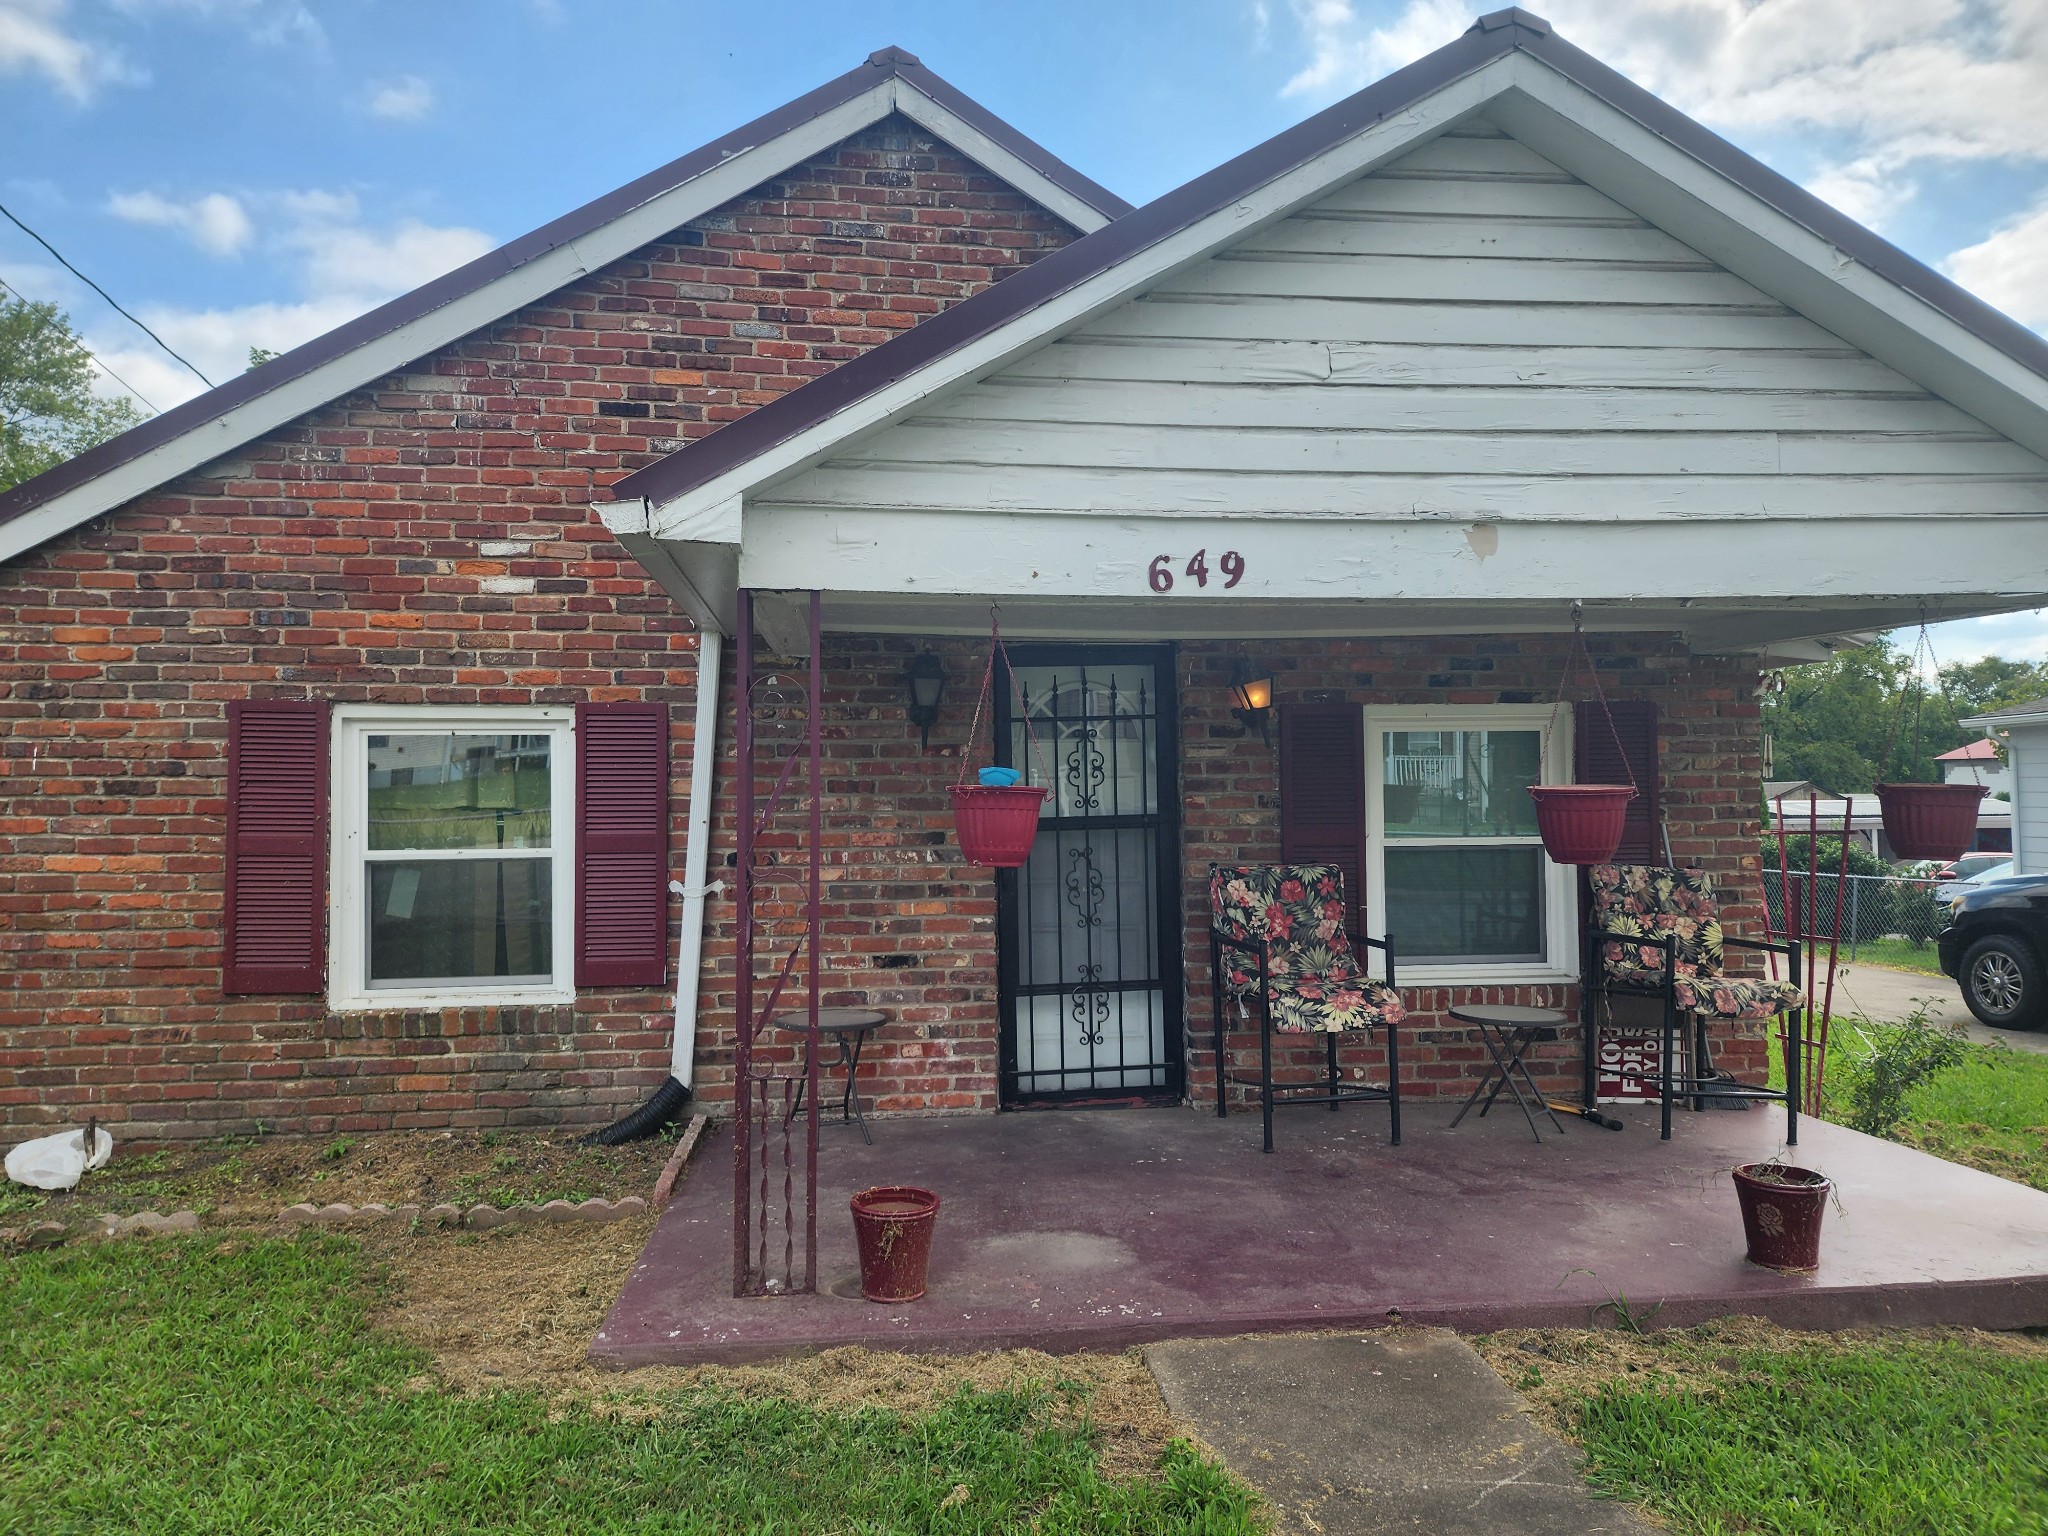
96 288
98 361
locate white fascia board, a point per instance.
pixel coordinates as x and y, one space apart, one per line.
1357 156
531 281
1693 202
977 146
2003 722
702 579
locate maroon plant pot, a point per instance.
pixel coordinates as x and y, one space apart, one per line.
997 824
1581 823
1930 821
892 1227
1782 1208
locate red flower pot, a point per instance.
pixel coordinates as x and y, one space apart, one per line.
997 825
1781 1211
1581 823
892 1227
1930 821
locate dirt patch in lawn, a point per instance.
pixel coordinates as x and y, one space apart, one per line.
517 1308
239 1181
1553 1368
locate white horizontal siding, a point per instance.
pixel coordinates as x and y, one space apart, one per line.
1468 333
2027 746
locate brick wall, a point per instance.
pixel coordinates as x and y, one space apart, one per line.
425 540
911 928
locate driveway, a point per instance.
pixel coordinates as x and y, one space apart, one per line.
1883 995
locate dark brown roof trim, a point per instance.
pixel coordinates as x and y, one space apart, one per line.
1493 36
464 280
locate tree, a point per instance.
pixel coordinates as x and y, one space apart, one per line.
1832 721
48 412
1992 682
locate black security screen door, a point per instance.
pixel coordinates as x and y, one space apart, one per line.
1090 949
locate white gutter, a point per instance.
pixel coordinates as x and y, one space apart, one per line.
697 849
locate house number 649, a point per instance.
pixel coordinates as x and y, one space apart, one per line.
1231 565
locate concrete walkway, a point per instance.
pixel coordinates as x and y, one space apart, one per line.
1398 1430
1876 993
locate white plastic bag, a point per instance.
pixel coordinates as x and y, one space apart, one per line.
59 1161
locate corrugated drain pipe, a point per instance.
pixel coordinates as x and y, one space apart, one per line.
672 1098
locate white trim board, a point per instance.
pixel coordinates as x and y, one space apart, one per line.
526 284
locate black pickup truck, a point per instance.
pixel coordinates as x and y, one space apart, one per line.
1995 944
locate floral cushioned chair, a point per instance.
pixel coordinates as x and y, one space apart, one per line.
1278 943
1657 932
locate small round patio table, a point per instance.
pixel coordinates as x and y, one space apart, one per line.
1507 1032
850 1027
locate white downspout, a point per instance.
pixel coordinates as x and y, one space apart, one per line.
696 853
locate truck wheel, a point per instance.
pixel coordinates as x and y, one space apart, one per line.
2002 983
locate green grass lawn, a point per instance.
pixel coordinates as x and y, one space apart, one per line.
1906 1435
206 1385
1990 1113
1895 954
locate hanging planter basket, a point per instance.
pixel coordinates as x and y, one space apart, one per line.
996 825
1581 823
1930 821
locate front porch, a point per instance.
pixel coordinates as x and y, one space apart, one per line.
1102 1229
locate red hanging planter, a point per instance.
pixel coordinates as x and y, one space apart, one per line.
1581 823
996 825
1930 821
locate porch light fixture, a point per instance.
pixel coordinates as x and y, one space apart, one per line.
925 679
1253 697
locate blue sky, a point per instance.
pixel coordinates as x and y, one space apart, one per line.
252 172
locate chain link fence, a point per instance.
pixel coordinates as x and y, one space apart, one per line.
1871 908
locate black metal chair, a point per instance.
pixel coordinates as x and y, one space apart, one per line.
1278 941
1657 933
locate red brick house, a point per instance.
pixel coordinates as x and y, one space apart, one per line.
352 711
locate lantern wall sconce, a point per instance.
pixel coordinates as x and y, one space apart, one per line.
925 680
1253 697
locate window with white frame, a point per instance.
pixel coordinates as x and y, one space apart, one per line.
452 869
1456 874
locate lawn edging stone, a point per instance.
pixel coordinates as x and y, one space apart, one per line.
478 1218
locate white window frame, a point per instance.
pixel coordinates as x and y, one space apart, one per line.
1560 905
348 989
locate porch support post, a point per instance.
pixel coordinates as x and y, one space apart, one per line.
743 959
813 956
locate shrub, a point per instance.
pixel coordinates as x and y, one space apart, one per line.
1873 1089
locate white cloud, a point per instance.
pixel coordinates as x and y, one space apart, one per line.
276 22
2015 636
216 223
2010 269
341 267
1904 81
34 40
405 100
1862 190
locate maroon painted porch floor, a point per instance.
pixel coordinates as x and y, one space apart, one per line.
1105 1228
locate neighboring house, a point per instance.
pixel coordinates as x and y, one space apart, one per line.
1362 411
2023 729
1978 762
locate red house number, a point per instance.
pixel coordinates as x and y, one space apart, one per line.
1231 565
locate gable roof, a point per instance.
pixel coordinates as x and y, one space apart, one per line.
2027 713
526 269
1706 191
1976 751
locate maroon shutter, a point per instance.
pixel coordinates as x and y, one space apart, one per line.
276 918
621 845
1322 792
1597 762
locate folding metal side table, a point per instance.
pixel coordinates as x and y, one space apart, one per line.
1508 1031
850 1027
